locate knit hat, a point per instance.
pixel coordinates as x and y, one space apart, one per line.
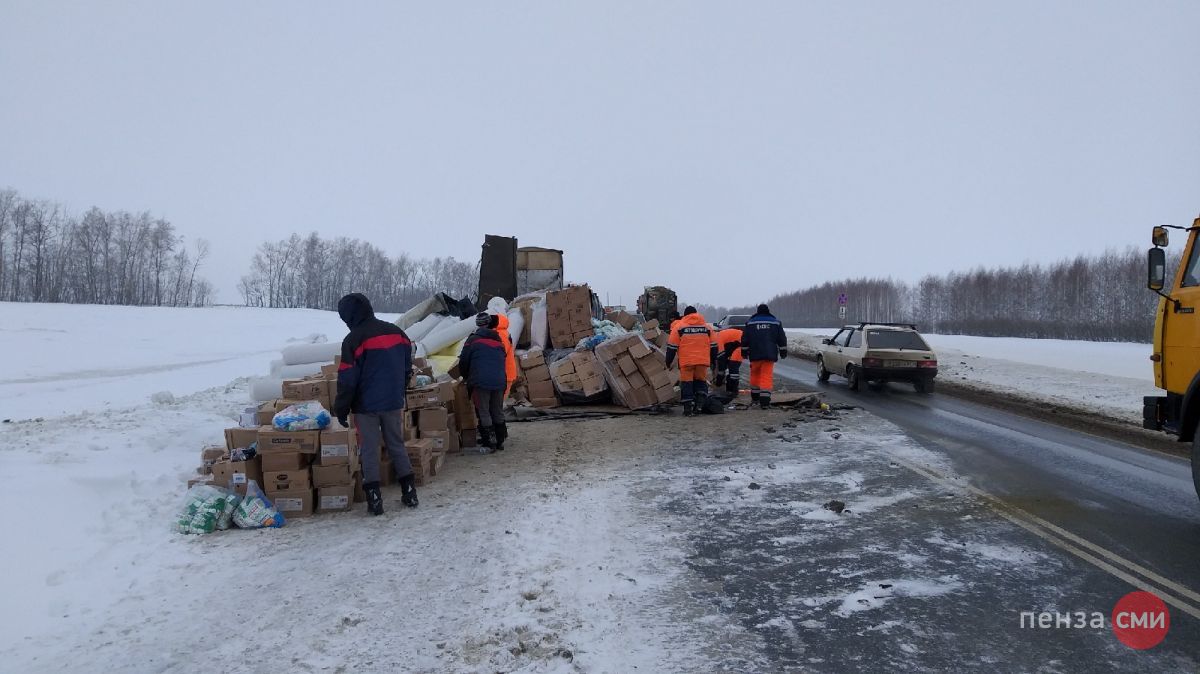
763 309
482 319
689 311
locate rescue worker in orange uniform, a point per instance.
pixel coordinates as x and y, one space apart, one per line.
693 341
763 343
729 360
510 359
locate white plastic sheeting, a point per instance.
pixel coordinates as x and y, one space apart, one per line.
516 323
446 334
426 326
299 354
263 389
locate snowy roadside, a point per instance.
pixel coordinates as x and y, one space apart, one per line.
1092 377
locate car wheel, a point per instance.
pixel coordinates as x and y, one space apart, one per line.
822 373
923 385
852 378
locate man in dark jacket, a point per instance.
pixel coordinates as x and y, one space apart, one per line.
372 378
481 364
763 343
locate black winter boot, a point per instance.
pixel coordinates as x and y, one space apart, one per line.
701 401
374 498
688 409
408 490
753 398
765 402
501 436
485 440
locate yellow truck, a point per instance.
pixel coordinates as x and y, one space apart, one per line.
1176 353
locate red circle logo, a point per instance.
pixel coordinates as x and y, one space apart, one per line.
1141 620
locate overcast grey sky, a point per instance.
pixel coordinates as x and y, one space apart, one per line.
729 150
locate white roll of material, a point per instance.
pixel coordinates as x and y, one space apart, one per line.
443 337
298 371
300 354
516 323
263 389
426 326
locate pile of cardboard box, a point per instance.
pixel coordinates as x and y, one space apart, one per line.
654 334
569 316
636 372
536 376
578 376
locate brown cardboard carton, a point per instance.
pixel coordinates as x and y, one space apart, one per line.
636 380
639 350
532 358
285 480
665 394
623 319
305 389
208 455
641 397
411 433
360 496
433 419
271 440
439 460
329 370
339 446
593 385
277 461
455 445
236 475
651 364
544 403
562 367
266 413
294 503
587 367
540 389
331 476
626 364
423 398
335 498
201 480
651 335
440 440
659 379
240 438
467 437
651 324
387 474
538 373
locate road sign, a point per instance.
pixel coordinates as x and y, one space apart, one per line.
842 312
842 300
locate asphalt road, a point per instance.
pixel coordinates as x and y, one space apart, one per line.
1129 515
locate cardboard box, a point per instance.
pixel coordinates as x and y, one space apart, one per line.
329 370
240 438
387 474
236 475
639 350
587 367
532 358
659 379
339 446
651 335
424 397
540 389
271 441
284 461
200 480
286 480
636 381
640 398
335 498
651 364
360 496
295 503
665 394
332 476
440 440
626 365
439 460
467 438
538 373
594 385
544 403
433 419
305 389
562 367
208 455
464 409
411 433
651 324
623 319
266 413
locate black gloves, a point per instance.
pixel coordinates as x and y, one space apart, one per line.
670 357
343 419
783 353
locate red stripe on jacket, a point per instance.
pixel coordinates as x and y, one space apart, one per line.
344 366
381 342
495 344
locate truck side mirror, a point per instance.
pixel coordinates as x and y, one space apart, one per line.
1159 237
1156 271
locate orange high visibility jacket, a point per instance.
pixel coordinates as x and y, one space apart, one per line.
694 341
510 359
730 338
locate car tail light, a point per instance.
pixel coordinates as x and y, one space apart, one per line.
872 362
927 363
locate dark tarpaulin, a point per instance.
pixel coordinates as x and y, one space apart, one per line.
498 269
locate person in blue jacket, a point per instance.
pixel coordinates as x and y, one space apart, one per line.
372 378
481 365
763 343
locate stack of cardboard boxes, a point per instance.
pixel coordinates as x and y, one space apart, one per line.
578 375
636 372
434 428
622 318
536 374
654 334
569 316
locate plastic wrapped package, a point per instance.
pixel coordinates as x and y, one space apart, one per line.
206 509
445 335
305 416
301 354
426 325
516 324
255 511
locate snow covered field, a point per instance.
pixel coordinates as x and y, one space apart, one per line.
1108 378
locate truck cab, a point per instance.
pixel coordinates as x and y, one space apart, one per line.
1176 355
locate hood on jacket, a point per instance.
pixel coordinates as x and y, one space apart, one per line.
354 309
501 323
693 319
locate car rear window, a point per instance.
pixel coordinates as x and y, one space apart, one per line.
895 339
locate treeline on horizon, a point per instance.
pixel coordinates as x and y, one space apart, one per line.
314 273
103 257
1097 298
